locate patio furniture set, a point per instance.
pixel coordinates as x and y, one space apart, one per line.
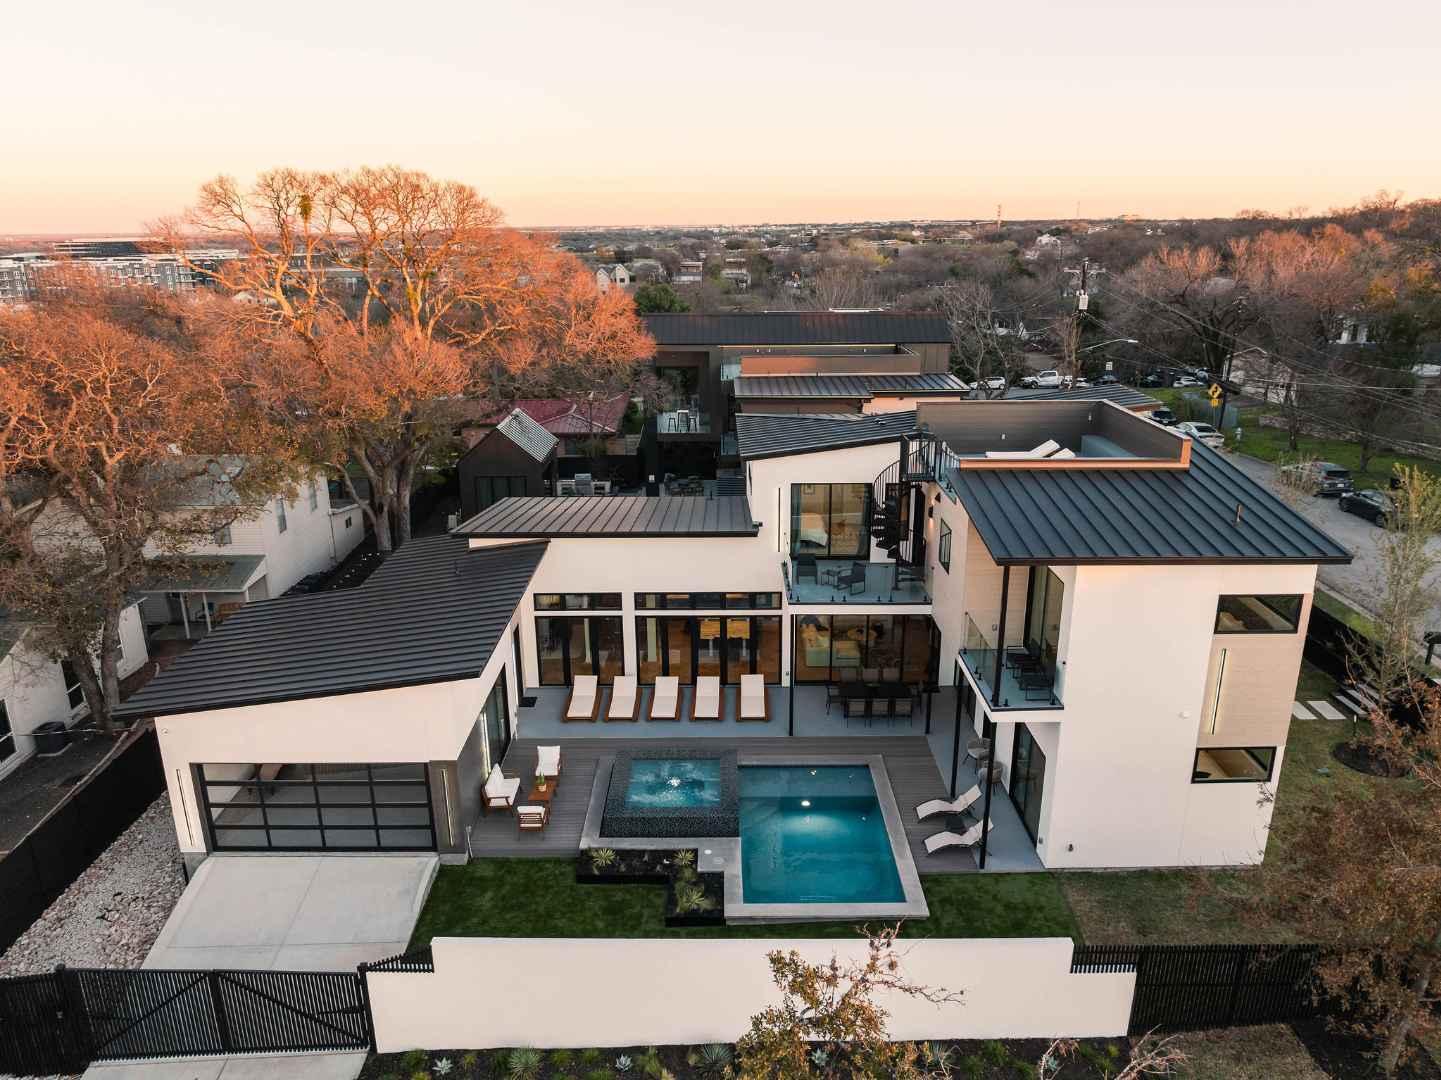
707 703
874 700
851 578
1032 676
502 792
963 826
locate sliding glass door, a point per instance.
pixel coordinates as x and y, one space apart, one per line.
891 648
725 646
1028 779
496 715
579 645
831 520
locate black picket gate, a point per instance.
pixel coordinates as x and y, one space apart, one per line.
1193 987
61 1022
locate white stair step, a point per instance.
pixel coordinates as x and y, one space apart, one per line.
1300 712
1326 709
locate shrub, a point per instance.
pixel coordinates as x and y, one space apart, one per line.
523 1063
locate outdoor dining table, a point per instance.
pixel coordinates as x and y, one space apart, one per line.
873 694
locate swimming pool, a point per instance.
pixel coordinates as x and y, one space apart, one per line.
814 835
657 784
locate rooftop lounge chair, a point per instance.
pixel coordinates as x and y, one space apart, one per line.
707 702
624 699
499 792
1045 450
755 705
584 699
958 805
547 762
665 700
532 818
941 840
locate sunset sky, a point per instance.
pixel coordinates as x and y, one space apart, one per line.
665 113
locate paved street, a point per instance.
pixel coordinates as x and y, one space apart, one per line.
1358 582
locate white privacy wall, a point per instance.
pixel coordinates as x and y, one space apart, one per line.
494 992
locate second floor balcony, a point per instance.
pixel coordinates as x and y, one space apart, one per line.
818 580
690 421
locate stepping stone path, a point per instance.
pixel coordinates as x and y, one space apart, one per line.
1300 712
1327 710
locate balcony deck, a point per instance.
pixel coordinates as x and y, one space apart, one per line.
917 763
877 589
981 662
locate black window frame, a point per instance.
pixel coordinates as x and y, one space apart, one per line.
74 690
8 749
743 600
563 602
867 517
315 782
1264 599
1249 751
943 547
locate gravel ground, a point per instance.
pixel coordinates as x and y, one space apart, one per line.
113 912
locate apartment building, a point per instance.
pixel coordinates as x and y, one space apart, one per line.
1117 611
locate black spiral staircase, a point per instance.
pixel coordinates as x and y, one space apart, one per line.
898 518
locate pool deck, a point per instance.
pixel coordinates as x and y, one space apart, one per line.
909 763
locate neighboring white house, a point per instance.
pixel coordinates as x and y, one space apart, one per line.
1120 611
35 690
608 274
259 557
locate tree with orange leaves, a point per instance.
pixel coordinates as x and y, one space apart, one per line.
119 449
376 309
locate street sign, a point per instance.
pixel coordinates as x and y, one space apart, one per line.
1110 366
1215 393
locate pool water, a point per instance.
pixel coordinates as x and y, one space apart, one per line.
814 835
664 783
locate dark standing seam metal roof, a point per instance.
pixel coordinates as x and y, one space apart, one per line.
762 435
1121 515
520 429
614 515
855 386
1128 397
799 328
433 612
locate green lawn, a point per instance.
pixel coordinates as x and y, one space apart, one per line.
1270 444
539 898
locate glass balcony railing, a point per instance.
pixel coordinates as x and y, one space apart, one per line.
1028 680
814 580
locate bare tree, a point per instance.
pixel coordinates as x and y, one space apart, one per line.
983 348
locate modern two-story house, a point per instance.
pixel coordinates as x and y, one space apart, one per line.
1118 611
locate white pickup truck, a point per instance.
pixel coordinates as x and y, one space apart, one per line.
1043 380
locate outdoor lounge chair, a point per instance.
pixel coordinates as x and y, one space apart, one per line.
707 702
624 699
584 698
958 805
941 840
665 699
534 818
499 792
755 705
854 579
547 762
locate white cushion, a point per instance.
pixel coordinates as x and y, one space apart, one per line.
547 760
622 695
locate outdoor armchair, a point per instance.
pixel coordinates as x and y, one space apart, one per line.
499 792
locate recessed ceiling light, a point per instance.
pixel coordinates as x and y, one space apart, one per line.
805 802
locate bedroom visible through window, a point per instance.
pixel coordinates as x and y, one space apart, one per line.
830 520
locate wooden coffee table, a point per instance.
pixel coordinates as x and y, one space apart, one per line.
541 798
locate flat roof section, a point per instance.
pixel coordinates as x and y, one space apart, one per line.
863 387
613 515
763 435
798 328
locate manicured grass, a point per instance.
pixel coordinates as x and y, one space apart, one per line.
1209 906
1270 444
539 898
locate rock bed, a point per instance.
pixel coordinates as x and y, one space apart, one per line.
113 912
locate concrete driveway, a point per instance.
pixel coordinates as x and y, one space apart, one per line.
1358 583
295 912
285 913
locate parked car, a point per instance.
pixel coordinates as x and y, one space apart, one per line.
995 382
1107 380
1324 478
1042 380
1203 433
1372 504
1164 415
1185 380
1068 383
1151 379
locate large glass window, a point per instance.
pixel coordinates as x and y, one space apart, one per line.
708 646
1243 764
830 520
837 648
1043 630
576 645
684 601
495 714
74 692
1269 614
7 736
943 548
577 601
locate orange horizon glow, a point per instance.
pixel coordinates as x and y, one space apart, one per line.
645 113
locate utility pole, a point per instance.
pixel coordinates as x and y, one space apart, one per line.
998 219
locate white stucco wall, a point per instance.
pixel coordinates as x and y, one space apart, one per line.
626 992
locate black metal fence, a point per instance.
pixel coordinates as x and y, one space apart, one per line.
1330 644
63 1021
1193 987
64 844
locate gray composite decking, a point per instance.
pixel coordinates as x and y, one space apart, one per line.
912 768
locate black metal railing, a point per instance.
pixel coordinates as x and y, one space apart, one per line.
420 959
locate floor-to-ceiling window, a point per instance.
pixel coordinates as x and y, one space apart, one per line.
1043 632
833 648
575 644
725 646
1028 780
495 714
830 520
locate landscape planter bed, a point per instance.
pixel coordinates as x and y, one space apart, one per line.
713 889
627 867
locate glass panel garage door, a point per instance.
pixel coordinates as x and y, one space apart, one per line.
381 807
